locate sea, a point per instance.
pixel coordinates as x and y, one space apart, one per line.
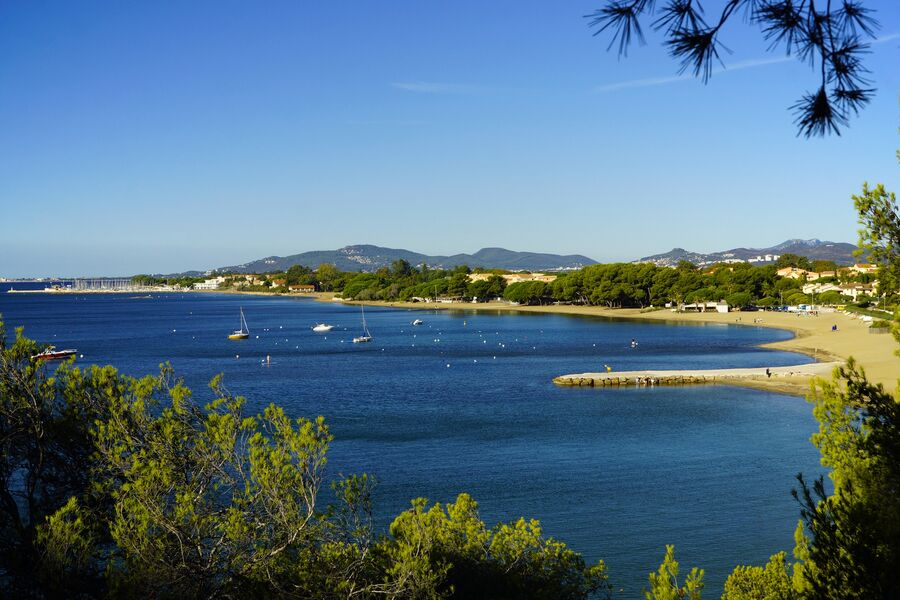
465 402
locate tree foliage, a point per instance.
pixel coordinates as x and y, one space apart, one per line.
880 235
664 584
828 35
45 458
854 533
442 551
771 582
527 292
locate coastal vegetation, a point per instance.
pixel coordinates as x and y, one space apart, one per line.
183 281
616 285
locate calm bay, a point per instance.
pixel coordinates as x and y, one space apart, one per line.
465 402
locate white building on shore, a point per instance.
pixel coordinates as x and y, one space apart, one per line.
209 284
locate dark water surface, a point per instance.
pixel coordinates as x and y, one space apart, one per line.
465 402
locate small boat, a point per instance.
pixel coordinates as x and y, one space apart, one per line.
366 336
244 332
418 322
320 327
50 353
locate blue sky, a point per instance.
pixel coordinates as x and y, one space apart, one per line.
161 137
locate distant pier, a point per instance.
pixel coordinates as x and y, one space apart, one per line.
698 376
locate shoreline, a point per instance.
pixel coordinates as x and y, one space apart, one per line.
812 335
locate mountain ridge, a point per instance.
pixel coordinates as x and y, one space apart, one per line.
813 249
368 257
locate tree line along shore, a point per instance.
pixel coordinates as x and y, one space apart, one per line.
791 280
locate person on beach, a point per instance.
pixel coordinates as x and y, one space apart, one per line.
768 373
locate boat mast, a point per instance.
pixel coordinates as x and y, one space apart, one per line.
365 328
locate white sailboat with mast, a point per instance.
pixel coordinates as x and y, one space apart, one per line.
366 336
244 332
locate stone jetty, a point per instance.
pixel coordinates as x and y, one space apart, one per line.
696 377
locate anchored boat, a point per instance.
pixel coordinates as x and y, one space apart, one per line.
244 332
366 336
51 353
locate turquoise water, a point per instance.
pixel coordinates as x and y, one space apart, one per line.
465 403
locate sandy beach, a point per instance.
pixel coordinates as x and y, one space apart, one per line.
813 335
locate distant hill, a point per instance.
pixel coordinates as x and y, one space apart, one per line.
371 258
839 252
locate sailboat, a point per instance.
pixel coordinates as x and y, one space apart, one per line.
366 336
244 332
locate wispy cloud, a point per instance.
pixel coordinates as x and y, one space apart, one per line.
656 81
430 87
386 122
639 83
886 38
